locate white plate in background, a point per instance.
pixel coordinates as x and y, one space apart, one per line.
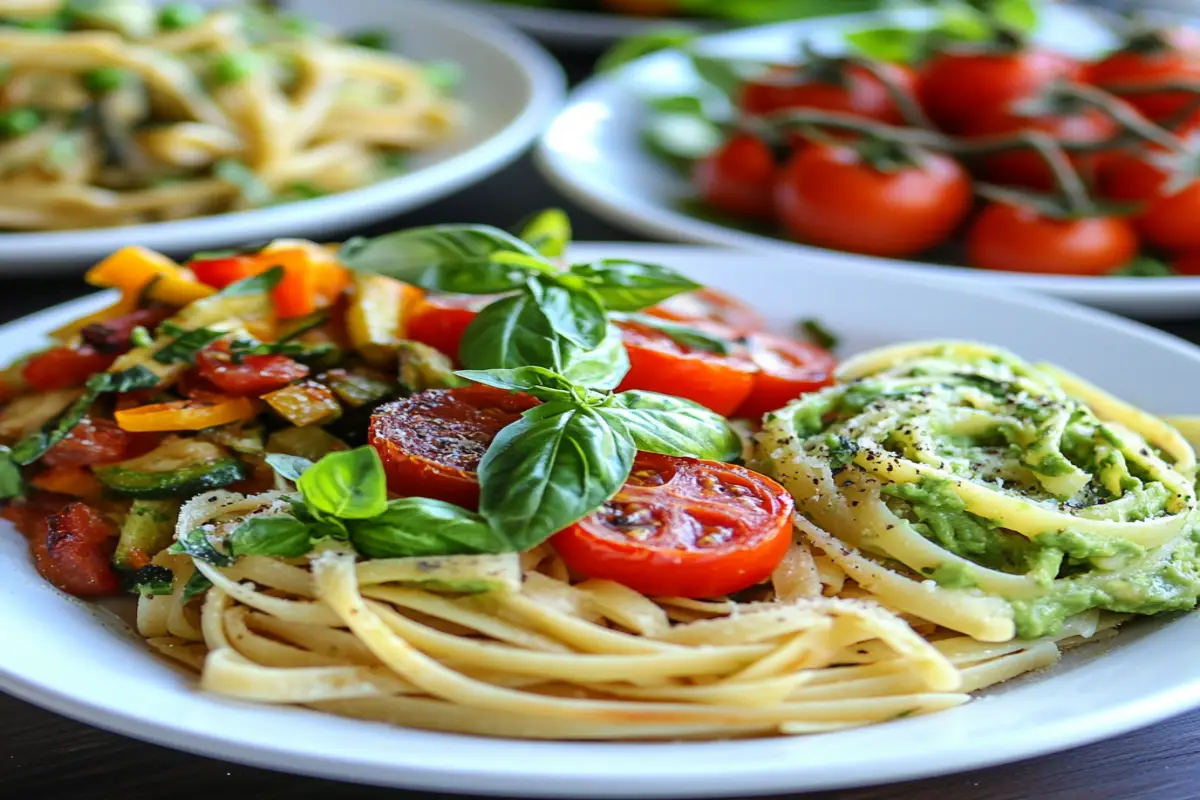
593 153
511 87
67 656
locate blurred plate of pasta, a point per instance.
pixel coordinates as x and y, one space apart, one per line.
189 126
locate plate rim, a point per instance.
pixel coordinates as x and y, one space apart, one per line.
1091 724
642 213
545 83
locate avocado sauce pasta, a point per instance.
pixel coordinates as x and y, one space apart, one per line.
115 112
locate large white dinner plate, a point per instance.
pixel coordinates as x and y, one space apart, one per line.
594 153
511 87
70 658
577 28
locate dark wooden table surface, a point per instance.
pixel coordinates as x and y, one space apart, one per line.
45 755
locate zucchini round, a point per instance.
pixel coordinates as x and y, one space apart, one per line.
185 481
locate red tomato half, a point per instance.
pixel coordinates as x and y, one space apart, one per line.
955 88
709 305
1177 59
859 92
1015 239
72 549
737 178
658 363
253 376
680 527
92 441
439 320
65 367
431 443
787 369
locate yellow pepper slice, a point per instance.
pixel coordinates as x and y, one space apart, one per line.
132 269
186 415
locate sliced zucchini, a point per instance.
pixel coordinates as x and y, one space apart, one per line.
305 403
309 442
239 437
375 316
357 387
423 367
28 413
467 574
177 468
147 530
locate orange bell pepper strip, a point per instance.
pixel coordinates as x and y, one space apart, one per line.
312 277
73 481
132 269
186 415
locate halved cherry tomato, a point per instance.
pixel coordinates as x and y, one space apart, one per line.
431 443
738 177
72 549
65 367
253 376
220 272
681 527
1187 263
859 92
786 369
439 320
1013 239
709 305
658 363
92 441
955 87
1162 57
830 196
1166 219
1026 167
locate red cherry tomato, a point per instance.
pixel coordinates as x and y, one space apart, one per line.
431 442
737 178
680 527
65 367
220 272
1026 167
1166 219
709 305
658 363
786 369
1173 56
828 195
72 549
1016 239
860 92
1187 263
253 376
92 441
955 87
439 320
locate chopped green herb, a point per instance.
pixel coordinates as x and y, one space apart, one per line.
235 67
19 121
176 16
103 80
818 334
373 39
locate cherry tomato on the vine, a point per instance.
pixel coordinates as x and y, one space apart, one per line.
1015 239
680 527
830 196
858 91
737 178
1166 219
1167 56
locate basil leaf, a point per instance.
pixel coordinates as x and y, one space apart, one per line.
447 258
673 426
183 348
544 473
686 335
151 580
600 368
127 380
818 334
290 467
11 482
1018 15
420 526
635 47
548 232
1144 267
511 332
261 283
35 445
197 585
248 184
537 381
346 485
197 545
576 315
893 44
682 136
630 286
286 537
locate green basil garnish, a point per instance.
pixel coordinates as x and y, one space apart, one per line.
420 526
197 545
184 347
346 485
286 537
151 580
659 423
290 467
686 335
548 232
261 283
632 286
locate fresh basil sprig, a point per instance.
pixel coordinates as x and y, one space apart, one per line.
186 345
548 232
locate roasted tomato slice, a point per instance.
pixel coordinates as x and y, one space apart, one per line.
251 376
92 441
65 367
786 370
709 305
683 528
72 549
439 320
431 443
658 363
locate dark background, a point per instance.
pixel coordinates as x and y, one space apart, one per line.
45 755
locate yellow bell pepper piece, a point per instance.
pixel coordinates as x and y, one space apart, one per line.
376 314
185 415
133 269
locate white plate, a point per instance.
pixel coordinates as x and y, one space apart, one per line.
593 153
511 86
578 28
58 654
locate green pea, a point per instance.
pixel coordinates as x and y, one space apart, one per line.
103 80
374 39
234 67
176 16
19 121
